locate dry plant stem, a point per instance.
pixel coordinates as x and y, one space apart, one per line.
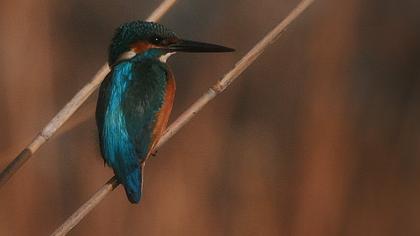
87 207
244 63
70 108
219 87
161 10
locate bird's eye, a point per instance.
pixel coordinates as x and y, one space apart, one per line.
157 39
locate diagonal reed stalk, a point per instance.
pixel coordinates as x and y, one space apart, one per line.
185 117
70 108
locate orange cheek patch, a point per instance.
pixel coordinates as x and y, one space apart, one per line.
141 46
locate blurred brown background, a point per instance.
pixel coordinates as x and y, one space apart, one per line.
320 136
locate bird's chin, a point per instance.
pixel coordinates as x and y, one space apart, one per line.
165 57
126 56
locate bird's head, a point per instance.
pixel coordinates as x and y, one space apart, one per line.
140 37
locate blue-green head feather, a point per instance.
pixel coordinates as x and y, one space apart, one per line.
129 33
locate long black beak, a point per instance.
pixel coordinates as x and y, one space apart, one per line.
192 46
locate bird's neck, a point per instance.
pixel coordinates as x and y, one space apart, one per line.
153 53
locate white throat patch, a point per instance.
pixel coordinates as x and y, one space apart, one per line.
130 54
165 57
126 56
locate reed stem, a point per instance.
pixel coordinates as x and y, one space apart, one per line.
69 109
185 117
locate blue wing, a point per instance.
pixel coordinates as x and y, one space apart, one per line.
129 99
143 100
101 105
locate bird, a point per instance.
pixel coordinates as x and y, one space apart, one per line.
136 97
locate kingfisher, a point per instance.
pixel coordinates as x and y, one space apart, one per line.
136 97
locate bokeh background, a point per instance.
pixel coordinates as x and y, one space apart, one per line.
320 136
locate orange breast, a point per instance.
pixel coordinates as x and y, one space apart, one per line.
162 116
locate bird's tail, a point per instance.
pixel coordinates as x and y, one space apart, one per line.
133 184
